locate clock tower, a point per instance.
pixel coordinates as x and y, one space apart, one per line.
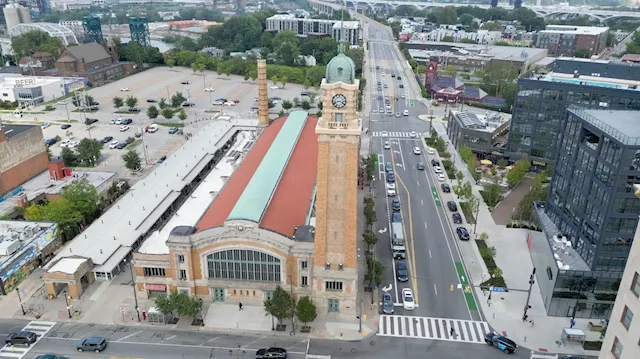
335 265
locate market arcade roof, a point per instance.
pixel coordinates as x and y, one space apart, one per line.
274 185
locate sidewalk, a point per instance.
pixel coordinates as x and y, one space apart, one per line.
504 310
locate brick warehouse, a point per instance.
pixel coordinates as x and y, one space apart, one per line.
23 155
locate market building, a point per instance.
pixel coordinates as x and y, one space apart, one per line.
36 90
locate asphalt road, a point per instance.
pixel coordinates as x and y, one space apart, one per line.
431 243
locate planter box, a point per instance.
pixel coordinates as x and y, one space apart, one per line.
281 327
305 330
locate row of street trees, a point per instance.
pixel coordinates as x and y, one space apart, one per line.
130 101
282 306
375 268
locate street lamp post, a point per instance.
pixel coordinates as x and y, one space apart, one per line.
167 87
293 328
201 313
135 294
24 312
66 106
66 301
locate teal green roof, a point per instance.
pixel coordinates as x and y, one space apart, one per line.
256 196
341 68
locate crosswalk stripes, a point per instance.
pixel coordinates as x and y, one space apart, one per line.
39 327
393 134
403 326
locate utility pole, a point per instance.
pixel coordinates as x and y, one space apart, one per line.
531 283
475 225
360 317
168 97
135 294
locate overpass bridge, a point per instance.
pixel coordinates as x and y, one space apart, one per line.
542 11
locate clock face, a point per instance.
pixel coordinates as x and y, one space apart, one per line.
430 68
339 101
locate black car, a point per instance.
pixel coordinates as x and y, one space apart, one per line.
121 145
65 126
402 274
463 234
161 159
435 162
24 338
445 187
188 104
184 82
401 86
94 103
50 356
127 121
90 121
420 166
49 142
134 109
457 218
503 343
399 78
395 205
106 139
271 353
453 207
95 344
152 100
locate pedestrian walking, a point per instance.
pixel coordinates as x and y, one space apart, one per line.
531 323
452 332
573 322
240 306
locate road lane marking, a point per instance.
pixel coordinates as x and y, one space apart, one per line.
435 289
129 336
430 254
425 225
171 337
418 183
422 203
167 345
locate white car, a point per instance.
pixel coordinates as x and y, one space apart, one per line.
408 303
441 177
416 151
413 133
73 144
117 121
402 96
218 103
124 128
437 169
384 134
62 103
391 189
274 87
44 125
153 128
65 143
431 151
124 89
230 103
387 145
113 144
405 112
208 89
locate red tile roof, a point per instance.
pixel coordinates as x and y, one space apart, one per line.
235 185
291 200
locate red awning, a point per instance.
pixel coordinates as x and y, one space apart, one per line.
157 287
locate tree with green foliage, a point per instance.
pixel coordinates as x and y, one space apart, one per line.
131 101
182 115
170 63
502 163
279 305
162 104
519 170
492 194
459 176
152 112
69 157
374 271
76 101
286 105
177 99
582 53
370 216
306 311
447 39
466 154
305 105
118 102
88 152
132 160
33 41
370 239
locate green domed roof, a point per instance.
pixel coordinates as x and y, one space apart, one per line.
341 68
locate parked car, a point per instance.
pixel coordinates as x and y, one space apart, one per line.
133 109
161 159
501 342
453 207
391 177
173 130
437 169
387 145
96 344
188 104
431 151
127 121
209 89
388 167
123 128
387 304
44 125
49 142
391 189
25 338
463 234
106 139
65 126
153 128
402 274
152 100
117 121
398 114
445 187
50 356
441 177
457 218
435 162
124 89
230 103
271 353
121 145
184 82
114 144
408 302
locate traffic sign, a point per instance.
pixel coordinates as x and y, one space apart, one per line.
122 310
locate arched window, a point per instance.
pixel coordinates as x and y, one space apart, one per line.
241 264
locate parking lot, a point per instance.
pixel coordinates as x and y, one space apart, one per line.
156 83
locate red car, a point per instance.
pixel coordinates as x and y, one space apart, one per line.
236 101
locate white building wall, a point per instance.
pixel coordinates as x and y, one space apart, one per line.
628 297
52 91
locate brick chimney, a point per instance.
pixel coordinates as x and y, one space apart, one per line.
263 95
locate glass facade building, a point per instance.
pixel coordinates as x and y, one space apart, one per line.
540 102
592 204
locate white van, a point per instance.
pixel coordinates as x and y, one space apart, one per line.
17 113
153 128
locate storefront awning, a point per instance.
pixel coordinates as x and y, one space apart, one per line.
486 162
156 287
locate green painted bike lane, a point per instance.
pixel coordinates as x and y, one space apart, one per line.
468 293
436 197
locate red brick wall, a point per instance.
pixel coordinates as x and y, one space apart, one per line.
23 172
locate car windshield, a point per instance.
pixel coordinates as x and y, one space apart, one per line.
403 273
408 297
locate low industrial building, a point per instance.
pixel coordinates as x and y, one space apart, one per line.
23 155
485 135
36 90
100 251
23 247
591 214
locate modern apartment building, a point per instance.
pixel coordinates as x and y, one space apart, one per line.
591 214
623 333
481 133
348 31
565 40
538 109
